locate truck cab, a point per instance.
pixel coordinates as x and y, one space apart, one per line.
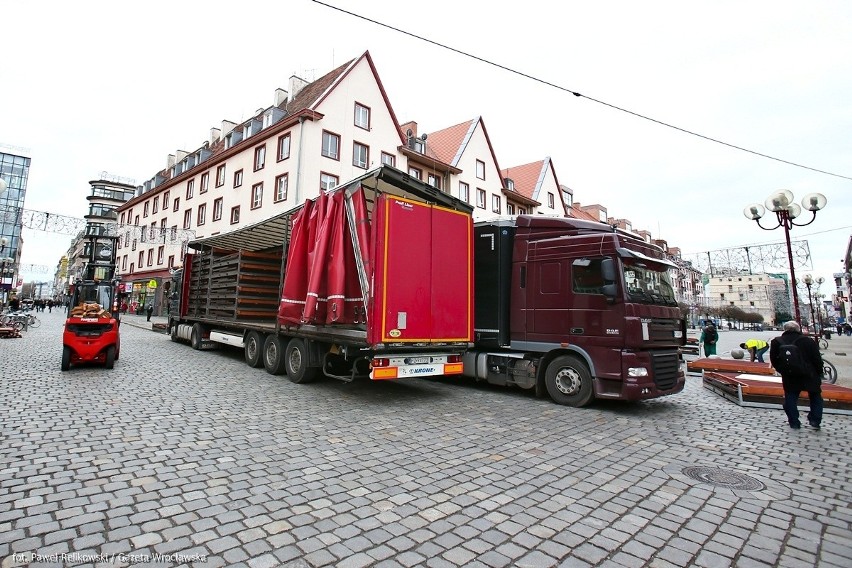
574 308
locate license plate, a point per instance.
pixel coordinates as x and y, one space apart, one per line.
417 360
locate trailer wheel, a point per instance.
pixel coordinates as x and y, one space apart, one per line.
296 362
254 349
273 355
66 358
569 381
195 337
109 363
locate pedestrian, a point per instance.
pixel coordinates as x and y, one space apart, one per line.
14 304
756 348
150 310
796 357
709 337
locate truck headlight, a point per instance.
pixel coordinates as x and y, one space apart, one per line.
637 372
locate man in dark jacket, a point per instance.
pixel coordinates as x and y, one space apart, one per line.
794 384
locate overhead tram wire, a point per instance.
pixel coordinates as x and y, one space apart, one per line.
575 93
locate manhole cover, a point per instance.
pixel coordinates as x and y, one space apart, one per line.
723 478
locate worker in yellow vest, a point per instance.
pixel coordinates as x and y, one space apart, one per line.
756 348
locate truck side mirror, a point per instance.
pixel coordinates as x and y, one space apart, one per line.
609 290
608 270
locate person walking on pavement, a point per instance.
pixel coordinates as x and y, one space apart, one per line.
150 310
797 358
709 337
756 348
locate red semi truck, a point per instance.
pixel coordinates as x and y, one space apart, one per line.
574 308
374 278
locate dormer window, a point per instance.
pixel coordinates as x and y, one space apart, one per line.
510 184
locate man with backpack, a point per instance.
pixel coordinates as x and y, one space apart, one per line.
796 357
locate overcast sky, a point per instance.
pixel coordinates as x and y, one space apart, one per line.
98 86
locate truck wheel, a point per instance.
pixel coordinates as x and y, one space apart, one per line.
174 332
254 349
66 358
296 362
273 355
195 337
569 382
110 357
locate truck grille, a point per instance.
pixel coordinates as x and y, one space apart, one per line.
666 368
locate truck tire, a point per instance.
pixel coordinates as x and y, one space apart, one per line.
569 381
109 363
296 362
273 355
196 337
254 349
66 358
174 332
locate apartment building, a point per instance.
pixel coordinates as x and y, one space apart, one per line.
765 294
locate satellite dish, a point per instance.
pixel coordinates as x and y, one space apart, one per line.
423 137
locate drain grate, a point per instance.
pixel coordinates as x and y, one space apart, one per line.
723 478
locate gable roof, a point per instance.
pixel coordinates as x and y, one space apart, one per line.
529 180
450 143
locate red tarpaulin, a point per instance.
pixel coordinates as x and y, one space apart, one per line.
315 302
295 284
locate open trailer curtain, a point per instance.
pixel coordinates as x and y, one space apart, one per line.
295 285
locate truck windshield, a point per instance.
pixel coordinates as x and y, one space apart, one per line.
646 285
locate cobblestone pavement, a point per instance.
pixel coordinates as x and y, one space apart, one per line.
177 457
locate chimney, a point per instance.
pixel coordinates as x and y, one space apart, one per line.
180 155
280 97
215 135
296 85
170 161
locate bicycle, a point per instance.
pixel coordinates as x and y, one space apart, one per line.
829 371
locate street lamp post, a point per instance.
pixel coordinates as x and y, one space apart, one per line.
809 281
781 203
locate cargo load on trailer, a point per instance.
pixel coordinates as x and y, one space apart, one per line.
373 278
577 309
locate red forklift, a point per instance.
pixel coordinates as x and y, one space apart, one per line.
92 327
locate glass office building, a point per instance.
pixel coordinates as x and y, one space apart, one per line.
14 171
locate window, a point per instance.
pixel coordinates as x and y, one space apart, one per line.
131 268
171 261
521 211
328 181
388 159
161 254
259 157
165 201
415 173
480 169
143 236
256 195
122 219
190 188
282 183
202 214
510 209
176 204
360 155
156 206
173 231
330 145
480 198
495 204
434 180
464 192
235 215
283 147
205 183
217 209
141 259
220 176
136 221
587 279
238 178
150 257
124 263
187 219
362 116
146 210
550 202
510 184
